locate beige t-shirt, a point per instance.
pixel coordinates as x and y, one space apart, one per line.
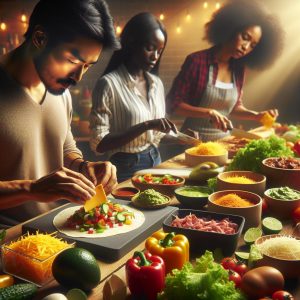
33 139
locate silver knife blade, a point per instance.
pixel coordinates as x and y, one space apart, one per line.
240 133
186 138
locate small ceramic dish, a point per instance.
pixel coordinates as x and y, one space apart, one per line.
150 206
125 193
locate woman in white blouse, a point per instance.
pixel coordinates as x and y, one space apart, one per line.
128 113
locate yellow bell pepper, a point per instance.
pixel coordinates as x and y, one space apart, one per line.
6 280
173 249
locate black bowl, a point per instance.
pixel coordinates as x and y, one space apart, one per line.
200 241
194 202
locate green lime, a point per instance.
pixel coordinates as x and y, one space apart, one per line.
76 294
252 234
271 225
242 256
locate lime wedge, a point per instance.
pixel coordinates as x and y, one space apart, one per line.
76 294
242 256
252 234
271 225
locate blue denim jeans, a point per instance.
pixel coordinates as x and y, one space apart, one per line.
129 163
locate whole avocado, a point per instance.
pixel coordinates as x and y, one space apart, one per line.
204 171
76 268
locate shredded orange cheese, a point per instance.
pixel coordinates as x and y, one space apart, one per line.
233 200
31 256
209 148
239 179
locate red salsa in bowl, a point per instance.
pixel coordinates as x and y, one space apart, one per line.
125 193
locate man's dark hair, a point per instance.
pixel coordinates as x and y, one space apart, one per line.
236 16
135 35
64 20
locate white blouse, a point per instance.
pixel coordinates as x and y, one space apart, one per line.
118 105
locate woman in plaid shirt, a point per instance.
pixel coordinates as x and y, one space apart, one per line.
209 87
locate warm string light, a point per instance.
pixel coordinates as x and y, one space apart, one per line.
188 17
218 5
205 5
118 29
161 16
23 18
3 26
178 29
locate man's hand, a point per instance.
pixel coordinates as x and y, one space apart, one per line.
63 184
102 172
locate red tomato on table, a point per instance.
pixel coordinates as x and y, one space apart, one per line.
296 215
282 295
228 263
235 277
241 268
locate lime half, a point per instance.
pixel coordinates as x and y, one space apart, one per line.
271 225
242 256
252 234
76 294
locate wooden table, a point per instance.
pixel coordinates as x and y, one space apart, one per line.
117 268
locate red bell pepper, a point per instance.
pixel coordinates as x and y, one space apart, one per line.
145 275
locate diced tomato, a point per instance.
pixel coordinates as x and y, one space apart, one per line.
90 231
120 224
88 222
296 147
110 224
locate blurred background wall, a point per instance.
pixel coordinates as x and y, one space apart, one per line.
278 87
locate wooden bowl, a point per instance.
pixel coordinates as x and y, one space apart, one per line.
288 267
257 188
281 177
279 208
165 189
252 214
194 160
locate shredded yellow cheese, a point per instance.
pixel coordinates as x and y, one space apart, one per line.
281 247
209 148
31 256
232 200
239 179
39 246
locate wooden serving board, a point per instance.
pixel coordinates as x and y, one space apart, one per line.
107 248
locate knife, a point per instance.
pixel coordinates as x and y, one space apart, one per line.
240 133
185 138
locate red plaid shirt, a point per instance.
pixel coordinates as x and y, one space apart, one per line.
190 83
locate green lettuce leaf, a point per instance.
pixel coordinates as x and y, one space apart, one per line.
206 280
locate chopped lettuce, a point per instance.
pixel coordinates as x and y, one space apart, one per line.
254 256
251 156
206 280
